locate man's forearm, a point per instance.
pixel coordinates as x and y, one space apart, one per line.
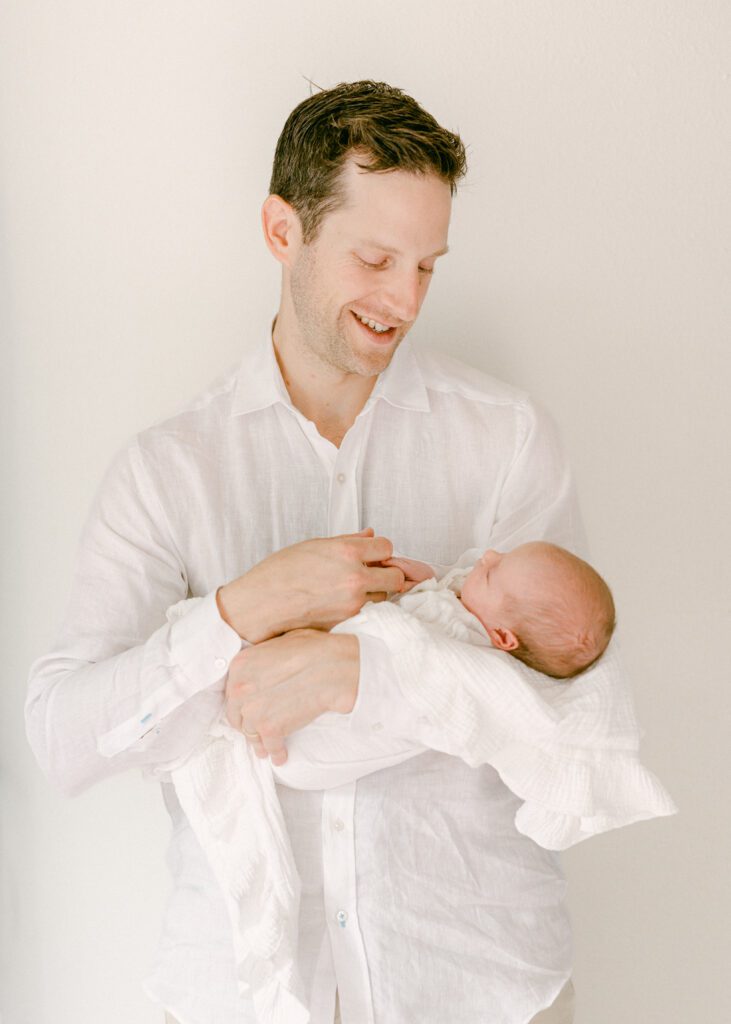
314 584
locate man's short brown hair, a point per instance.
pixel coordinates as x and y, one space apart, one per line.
378 122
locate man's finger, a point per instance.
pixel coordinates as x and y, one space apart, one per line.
391 580
258 747
251 736
275 748
256 743
374 549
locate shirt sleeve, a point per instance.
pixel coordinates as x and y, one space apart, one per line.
538 498
123 686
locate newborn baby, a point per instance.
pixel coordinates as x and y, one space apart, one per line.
539 602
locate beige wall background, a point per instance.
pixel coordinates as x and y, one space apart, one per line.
589 264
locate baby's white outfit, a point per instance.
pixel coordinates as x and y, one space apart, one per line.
528 727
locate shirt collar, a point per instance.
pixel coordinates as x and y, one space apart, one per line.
401 383
259 382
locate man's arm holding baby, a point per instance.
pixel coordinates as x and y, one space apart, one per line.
285 682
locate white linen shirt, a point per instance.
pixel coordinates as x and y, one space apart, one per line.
420 900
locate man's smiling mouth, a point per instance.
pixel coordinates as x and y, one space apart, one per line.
373 325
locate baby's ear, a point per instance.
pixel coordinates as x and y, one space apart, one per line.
504 639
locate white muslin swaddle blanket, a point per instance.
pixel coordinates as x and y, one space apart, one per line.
568 749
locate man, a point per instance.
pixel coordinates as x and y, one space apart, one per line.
420 900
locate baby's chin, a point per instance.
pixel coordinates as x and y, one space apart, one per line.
466 604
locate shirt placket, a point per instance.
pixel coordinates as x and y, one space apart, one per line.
338 806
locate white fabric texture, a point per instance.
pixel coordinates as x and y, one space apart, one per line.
419 898
229 797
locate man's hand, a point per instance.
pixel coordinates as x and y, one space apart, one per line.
316 583
281 685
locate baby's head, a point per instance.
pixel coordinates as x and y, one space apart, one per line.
543 605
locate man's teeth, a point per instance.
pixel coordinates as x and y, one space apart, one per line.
374 325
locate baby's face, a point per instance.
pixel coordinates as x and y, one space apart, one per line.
486 592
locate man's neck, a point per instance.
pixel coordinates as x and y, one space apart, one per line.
329 397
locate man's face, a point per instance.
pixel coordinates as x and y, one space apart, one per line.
372 259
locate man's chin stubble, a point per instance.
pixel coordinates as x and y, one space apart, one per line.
363 364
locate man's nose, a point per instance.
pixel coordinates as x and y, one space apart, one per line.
404 294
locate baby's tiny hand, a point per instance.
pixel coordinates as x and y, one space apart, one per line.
415 572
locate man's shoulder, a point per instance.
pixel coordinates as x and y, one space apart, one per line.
190 440
207 412
442 373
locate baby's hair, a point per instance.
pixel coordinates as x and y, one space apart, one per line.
565 630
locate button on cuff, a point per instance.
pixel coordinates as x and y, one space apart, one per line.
203 645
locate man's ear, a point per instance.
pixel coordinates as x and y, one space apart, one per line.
504 639
282 229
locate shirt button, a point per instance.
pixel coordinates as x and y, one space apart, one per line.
377 726
341 917
338 825
220 663
341 478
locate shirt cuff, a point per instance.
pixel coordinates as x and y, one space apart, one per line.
191 655
380 705
202 645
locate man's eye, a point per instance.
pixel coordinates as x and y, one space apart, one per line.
373 266
426 270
